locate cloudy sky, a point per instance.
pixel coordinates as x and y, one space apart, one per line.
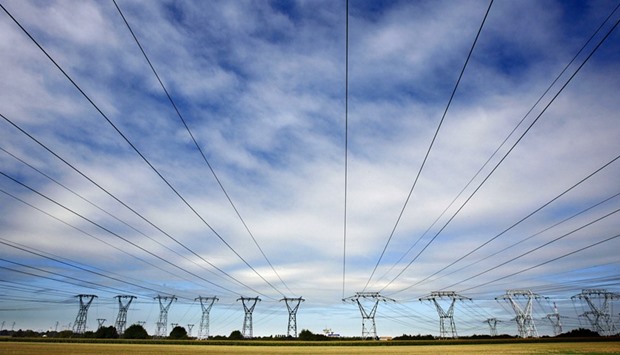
237 170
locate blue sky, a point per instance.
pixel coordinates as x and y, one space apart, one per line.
261 86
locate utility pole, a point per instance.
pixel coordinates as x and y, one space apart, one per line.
599 301
368 316
205 303
79 326
445 315
554 318
247 320
292 305
525 323
164 305
121 319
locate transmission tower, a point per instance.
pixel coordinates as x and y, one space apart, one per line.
205 303
600 303
101 321
164 305
189 330
247 320
525 323
492 322
292 304
363 297
79 326
555 319
121 319
445 316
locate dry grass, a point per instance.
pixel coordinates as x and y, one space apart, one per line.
24 348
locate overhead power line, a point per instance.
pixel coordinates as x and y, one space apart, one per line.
430 147
507 153
204 157
135 149
346 145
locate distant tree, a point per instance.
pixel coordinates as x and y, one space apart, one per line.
235 335
579 333
65 334
135 331
178 332
106 333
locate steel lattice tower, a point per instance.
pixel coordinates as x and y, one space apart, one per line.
121 319
443 315
292 307
375 297
555 319
599 316
525 323
492 322
247 320
79 326
164 305
205 303
101 321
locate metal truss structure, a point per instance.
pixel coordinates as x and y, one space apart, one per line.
492 322
600 315
556 320
164 305
292 304
205 303
445 316
523 315
79 325
368 316
247 320
121 319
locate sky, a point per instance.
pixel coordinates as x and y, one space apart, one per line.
266 149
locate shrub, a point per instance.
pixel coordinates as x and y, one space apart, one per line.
135 331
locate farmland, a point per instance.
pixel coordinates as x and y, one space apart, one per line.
53 348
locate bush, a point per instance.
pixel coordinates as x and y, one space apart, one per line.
135 331
235 335
106 333
178 332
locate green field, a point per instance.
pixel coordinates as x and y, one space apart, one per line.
9 347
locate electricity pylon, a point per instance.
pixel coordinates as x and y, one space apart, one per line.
100 321
205 303
492 322
164 306
292 314
599 316
555 319
79 326
121 319
247 320
374 297
525 323
445 315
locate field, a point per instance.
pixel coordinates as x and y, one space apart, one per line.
8 347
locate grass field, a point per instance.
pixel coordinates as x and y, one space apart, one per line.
24 348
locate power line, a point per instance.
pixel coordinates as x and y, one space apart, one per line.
471 180
537 248
204 157
507 153
113 233
346 144
430 147
517 223
105 117
545 262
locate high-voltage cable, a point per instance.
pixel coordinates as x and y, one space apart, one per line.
135 149
430 147
204 157
507 153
